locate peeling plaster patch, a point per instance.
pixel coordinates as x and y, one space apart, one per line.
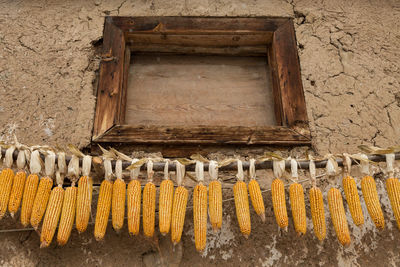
275 254
217 240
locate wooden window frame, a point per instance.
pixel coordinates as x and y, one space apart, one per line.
289 103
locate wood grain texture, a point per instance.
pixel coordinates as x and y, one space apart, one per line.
202 40
111 75
259 50
196 25
172 90
204 135
287 76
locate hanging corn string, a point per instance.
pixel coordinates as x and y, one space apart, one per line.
172 205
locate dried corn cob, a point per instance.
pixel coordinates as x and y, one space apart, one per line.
18 184
52 216
30 189
6 181
279 203
84 197
393 188
351 193
317 205
368 188
44 190
255 192
200 209
104 202
242 202
69 203
297 203
165 202
215 197
338 216
118 198
67 215
317 213
134 193
353 200
178 205
149 202
278 195
370 194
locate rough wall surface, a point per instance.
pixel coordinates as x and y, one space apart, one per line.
350 57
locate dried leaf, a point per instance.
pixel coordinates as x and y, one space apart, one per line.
137 164
199 158
74 150
120 155
375 150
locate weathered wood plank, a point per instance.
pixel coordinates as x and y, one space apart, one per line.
122 106
205 40
287 72
190 90
197 25
259 50
203 135
111 75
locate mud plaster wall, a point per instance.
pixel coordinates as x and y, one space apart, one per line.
349 53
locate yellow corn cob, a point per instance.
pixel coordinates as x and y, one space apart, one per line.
338 216
178 213
257 199
16 192
165 205
200 216
52 216
118 204
353 200
134 193
368 188
242 207
149 209
67 215
28 197
317 213
103 209
83 203
215 204
6 182
279 203
393 189
298 206
41 200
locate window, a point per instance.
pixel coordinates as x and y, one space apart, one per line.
190 80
